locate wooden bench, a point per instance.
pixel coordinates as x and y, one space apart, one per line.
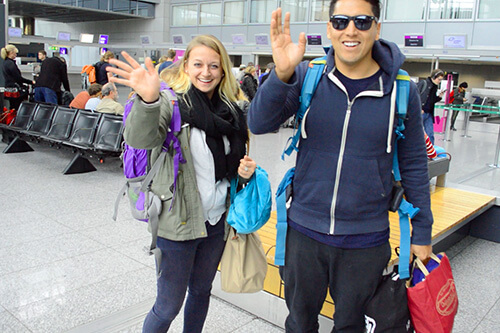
86 133
451 208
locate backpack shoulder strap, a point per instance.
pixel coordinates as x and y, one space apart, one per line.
406 211
313 76
402 99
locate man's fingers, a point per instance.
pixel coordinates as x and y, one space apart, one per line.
273 27
278 20
286 27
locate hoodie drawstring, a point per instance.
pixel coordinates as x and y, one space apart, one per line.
391 118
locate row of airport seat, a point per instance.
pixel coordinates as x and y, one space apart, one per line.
87 133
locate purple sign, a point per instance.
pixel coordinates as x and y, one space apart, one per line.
314 40
414 40
103 39
63 50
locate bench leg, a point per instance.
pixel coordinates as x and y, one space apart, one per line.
441 180
17 146
79 164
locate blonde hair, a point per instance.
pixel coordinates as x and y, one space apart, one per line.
108 55
7 49
250 69
179 81
162 59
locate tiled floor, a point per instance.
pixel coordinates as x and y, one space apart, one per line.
65 265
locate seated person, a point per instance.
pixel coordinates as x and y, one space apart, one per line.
93 101
109 100
82 98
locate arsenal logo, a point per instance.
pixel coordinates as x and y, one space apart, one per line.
447 299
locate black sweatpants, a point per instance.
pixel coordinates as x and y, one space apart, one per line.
351 275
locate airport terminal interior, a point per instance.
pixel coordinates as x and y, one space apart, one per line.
67 266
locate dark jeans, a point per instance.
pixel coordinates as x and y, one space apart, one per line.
186 264
351 275
428 122
454 118
47 95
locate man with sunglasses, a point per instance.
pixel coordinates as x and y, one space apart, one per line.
338 227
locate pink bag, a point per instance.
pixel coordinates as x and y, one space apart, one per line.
433 303
439 124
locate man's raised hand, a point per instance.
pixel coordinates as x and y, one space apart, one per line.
286 54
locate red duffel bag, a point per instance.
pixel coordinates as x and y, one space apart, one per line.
433 302
8 116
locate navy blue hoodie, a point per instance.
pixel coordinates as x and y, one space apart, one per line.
343 180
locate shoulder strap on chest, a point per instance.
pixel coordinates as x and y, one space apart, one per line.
402 99
311 80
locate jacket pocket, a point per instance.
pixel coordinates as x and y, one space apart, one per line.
361 191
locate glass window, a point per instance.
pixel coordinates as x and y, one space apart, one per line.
320 10
404 10
450 9
489 9
234 12
297 9
210 13
184 15
121 6
260 10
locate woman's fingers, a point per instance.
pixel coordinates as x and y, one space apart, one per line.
121 64
133 63
150 66
118 71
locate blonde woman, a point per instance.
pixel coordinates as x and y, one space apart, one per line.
102 74
213 137
13 79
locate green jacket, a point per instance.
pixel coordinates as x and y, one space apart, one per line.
146 128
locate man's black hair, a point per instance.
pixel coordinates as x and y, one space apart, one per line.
463 85
374 3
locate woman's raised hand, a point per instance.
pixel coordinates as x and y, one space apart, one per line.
286 54
145 82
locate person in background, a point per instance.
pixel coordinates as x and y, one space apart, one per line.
249 83
429 96
109 102
82 98
241 73
338 221
102 74
264 76
42 55
459 99
95 97
13 78
48 84
192 232
169 61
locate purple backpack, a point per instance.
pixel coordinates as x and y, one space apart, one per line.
144 204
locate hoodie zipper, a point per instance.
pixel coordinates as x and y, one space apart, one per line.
343 141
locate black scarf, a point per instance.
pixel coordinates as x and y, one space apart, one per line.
216 119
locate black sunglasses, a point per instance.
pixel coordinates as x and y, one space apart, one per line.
361 22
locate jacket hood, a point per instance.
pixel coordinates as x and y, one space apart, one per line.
388 56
